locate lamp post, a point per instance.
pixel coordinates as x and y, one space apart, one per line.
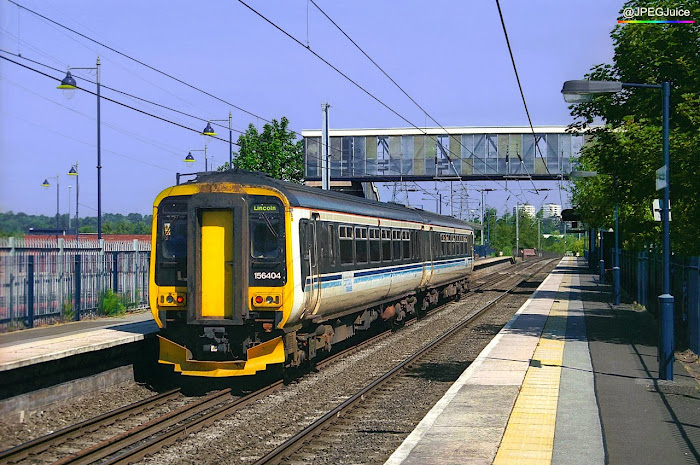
438 203
46 185
74 172
482 211
208 131
68 85
190 159
69 188
517 229
583 91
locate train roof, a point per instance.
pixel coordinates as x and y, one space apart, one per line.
300 195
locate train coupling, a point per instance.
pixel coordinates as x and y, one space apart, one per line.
215 340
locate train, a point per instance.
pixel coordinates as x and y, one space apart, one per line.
249 273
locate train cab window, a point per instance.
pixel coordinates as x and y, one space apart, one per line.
386 245
171 244
361 245
265 231
375 251
345 236
406 239
396 240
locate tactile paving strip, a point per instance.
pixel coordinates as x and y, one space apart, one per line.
529 435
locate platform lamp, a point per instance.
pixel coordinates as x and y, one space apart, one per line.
580 91
209 133
190 159
46 186
68 86
482 211
74 172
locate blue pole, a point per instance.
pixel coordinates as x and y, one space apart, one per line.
601 266
616 263
666 299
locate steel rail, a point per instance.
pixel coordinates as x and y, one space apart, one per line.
44 443
172 435
165 422
131 437
296 442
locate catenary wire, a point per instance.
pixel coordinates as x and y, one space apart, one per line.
139 62
428 115
355 83
520 87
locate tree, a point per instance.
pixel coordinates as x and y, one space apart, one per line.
275 151
628 149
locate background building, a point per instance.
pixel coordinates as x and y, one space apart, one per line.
551 210
526 208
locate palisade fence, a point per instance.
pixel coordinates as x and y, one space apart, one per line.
49 280
641 275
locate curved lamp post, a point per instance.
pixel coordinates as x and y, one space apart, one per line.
46 185
74 172
190 159
68 86
209 132
583 91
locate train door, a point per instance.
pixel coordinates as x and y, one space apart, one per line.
429 258
312 291
217 294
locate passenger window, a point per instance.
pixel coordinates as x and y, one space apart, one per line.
396 240
375 251
406 236
361 245
386 245
345 233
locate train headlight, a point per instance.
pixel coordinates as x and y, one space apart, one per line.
267 300
172 299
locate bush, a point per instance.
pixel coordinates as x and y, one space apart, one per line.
111 304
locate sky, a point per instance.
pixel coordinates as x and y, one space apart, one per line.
450 56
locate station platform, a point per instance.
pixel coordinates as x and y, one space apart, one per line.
569 380
29 347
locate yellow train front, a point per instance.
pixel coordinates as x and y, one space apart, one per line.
250 273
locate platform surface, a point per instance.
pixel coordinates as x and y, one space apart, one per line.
48 343
569 380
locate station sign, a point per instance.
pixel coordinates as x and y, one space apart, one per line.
662 178
657 210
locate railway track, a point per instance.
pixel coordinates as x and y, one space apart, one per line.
147 438
311 437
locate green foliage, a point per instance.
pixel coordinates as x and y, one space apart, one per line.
17 224
629 148
275 151
111 304
68 310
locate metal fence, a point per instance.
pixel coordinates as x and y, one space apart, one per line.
641 276
57 279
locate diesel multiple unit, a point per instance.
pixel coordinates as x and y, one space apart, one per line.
250 273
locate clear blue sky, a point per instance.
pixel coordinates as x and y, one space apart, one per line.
451 56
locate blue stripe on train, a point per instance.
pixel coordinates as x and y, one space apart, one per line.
335 280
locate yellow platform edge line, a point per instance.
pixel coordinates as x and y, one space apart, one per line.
529 434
